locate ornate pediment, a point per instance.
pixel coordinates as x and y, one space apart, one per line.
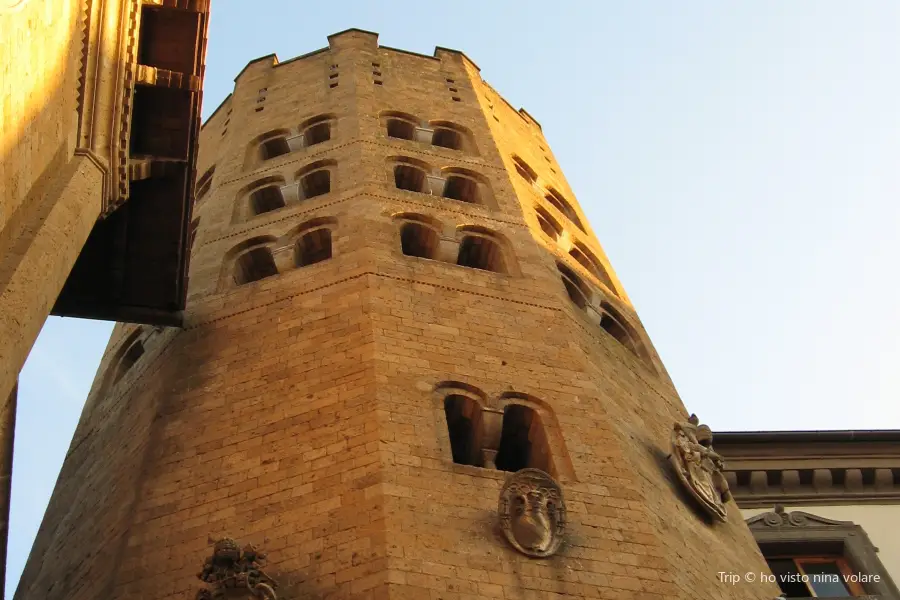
780 519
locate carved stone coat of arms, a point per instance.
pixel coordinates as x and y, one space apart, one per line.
699 467
532 512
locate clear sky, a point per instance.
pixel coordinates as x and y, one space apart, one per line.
739 161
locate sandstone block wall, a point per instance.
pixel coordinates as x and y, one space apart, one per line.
304 411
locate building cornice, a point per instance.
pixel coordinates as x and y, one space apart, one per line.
812 467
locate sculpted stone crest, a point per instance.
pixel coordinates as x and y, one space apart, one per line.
699 467
235 573
532 512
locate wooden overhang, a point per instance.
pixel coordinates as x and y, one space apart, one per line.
134 265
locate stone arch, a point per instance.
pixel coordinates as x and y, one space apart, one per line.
579 293
524 170
410 174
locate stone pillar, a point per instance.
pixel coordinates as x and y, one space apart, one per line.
39 258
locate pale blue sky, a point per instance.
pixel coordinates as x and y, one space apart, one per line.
739 161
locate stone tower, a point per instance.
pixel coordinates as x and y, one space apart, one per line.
394 303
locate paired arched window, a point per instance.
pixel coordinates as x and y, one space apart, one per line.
443 134
509 441
315 182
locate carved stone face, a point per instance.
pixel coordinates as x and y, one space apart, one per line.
532 512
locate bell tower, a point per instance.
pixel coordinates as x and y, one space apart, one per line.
407 371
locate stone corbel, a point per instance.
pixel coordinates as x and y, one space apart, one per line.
435 185
492 428
290 193
424 135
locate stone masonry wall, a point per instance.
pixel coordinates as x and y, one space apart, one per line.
303 411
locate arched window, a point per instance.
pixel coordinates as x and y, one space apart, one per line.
464 425
614 324
479 252
317 130
273 147
578 292
316 183
462 188
315 179
253 265
523 443
401 126
192 236
522 168
134 352
418 240
590 262
204 183
312 247
408 177
558 202
266 199
447 138
549 225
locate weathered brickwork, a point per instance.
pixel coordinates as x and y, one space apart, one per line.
304 411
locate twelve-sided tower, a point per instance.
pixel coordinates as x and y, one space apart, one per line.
395 302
